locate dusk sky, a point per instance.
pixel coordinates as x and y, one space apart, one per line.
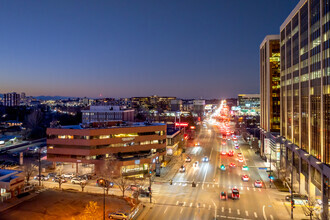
187 49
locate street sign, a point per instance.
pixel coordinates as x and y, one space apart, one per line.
262 168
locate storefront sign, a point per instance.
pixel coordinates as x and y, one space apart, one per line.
128 139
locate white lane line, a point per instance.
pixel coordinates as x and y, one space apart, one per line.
264 212
254 189
215 209
190 204
184 204
223 209
181 210
174 184
241 187
196 184
271 217
179 184
165 210
255 215
238 212
229 210
177 202
247 188
213 185
246 213
208 185
204 205
207 168
259 190
209 207
218 186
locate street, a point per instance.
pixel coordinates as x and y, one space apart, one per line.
182 201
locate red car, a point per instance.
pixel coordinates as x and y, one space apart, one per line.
245 178
232 165
234 193
231 153
223 196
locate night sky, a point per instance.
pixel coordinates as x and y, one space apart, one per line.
187 49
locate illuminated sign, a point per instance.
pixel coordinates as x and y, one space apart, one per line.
192 127
183 124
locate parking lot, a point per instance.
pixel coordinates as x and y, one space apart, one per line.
53 204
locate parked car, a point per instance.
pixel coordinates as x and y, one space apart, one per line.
77 181
296 196
52 175
118 215
223 196
42 177
258 184
134 187
68 175
57 179
103 183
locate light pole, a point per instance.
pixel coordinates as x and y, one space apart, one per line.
104 203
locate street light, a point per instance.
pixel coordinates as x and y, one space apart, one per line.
103 183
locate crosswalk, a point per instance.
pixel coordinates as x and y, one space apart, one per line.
222 211
208 185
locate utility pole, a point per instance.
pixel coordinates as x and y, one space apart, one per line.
150 188
270 167
39 160
104 203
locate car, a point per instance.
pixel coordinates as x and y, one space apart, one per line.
223 167
57 179
188 159
223 196
224 153
182 169
296 196
233 165
197 144
134 187
223 143
68 175
205 159
240 160
245 178
258 184
77 181
236 147
230 153
196 164
245 167
118 215
239 155
234 193
42 177
103 183
50 175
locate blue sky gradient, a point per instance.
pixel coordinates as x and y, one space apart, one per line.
185 48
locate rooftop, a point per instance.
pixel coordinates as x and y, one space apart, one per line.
105 125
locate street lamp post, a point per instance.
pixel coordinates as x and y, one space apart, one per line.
104 203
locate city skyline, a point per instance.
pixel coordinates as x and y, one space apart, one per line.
118 49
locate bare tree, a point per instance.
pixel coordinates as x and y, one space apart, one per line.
312 208
29 168
92 212
122 183
108 172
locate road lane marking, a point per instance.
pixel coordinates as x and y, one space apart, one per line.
177 202
179 184
241 187
184 204
209 207
254 189
208 185
218 186
213 185
165 210
215 209
196 184
229 210
271 217
259 190
255 215
174 184
190 204
264 212
181 210
247 188
204 205
246 213
223 209
207 168
238 212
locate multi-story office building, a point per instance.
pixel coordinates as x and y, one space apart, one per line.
11 99
305 97
249 103
133 148
270 96
107 113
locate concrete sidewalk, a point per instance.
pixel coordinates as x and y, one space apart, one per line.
16 201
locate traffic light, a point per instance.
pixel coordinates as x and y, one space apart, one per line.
149 189
292 204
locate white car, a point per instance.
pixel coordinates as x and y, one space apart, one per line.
68 175
205 159
240 160
258 184
77 181
245 178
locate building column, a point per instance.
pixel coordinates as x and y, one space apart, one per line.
302 184
325 196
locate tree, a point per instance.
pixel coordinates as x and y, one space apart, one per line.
312 208
28 169
122 183
92 211
82 185
108 172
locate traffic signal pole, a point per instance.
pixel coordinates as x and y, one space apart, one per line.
292 201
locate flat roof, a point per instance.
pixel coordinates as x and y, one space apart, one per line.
129 125
292 14
268 38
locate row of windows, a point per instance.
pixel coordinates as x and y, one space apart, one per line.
127 135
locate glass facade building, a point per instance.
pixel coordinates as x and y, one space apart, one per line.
305 92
